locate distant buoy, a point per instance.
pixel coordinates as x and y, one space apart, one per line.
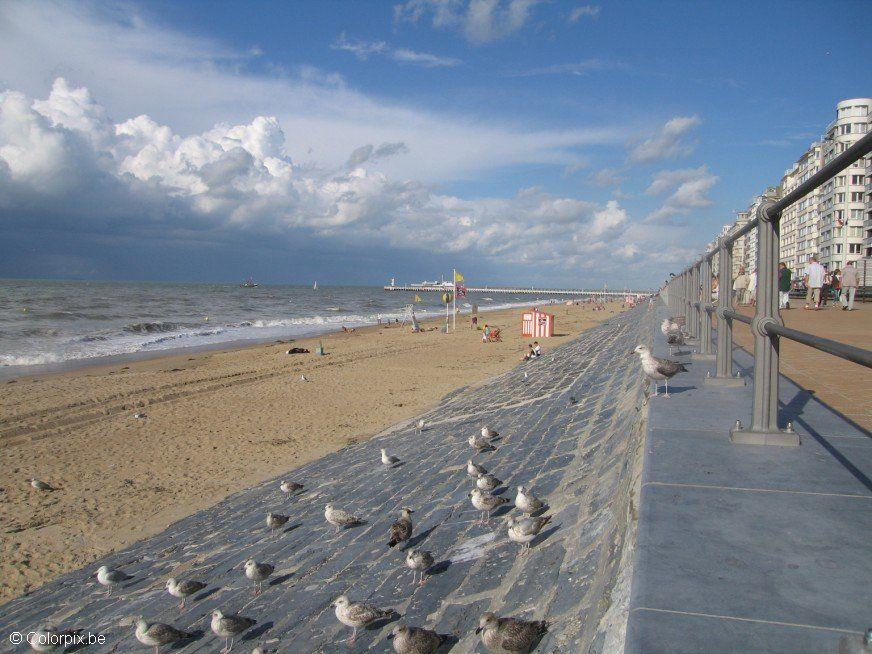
24 309
206 318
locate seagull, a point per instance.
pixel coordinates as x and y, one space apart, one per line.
855 643
109 577
485 502
422 424
304 378
401 530
488 482
38 484
525 376
289 487
573 400
656 369
415 640
276 521
46 638
182 589
258 573
340 518
501 635
357 614
527 502
488 433
229 626
155 634
525 530
480 444
419 561
474 470
140 415
389 459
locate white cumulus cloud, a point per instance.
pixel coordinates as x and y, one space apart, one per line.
688 190
668 142
480 21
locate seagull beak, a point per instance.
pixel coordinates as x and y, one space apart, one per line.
478 630
391 636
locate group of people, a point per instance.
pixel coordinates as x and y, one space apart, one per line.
820 283
533 352
823 284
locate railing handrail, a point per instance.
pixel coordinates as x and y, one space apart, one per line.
688 291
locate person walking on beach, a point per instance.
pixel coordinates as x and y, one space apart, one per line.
825 288
849 286
740 286
784 275
814 281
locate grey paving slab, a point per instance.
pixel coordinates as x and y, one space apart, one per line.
573 454
749 548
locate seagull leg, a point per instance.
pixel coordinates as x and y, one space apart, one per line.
353 636
667 389
182 604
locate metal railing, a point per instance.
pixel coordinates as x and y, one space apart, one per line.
687 294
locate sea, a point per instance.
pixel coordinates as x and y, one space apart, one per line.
50 325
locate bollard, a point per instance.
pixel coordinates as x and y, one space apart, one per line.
764 422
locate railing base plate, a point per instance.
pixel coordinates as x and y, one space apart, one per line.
727 382
696 356
779 438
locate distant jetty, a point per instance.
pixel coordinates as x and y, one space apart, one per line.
441 288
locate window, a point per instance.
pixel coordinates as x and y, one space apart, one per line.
854 248
845 129
861 128
840 180
857 196
856 214
838 248
840 197
857 180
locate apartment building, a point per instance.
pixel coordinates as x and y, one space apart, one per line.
799 220
865 266
842 200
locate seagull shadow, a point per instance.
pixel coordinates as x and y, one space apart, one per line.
79 645
420 538
257 632
396 465
292 527
195 635
207 593
281 580
450 641
499 490
543 535
378 624
675 390
541 511
503 510
438 568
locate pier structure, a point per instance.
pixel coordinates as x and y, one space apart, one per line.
439 288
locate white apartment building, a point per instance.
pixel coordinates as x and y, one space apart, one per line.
740 245
842 200
865 266
799 220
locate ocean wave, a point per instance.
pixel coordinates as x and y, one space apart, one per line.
153 327
29 359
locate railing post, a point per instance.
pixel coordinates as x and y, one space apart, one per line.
764 424
694 299
724 364
705 323
685 286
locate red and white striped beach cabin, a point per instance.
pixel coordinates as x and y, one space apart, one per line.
536 324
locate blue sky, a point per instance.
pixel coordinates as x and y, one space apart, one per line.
521 141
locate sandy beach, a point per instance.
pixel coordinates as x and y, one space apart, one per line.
215 422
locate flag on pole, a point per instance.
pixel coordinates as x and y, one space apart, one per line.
458 277
417 298
460 290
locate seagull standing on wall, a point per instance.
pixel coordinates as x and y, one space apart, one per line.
658 369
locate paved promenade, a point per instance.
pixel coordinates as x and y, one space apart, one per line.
747 548
572 429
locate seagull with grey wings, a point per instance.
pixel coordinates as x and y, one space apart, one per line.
111 577
419 561
389 460
480 444
657 369
258 573
357 615
289 487
415 640
228 626
474 470
38 484
510 635
488 482
275 521
527 502
155 634
485 502
340 518
525 530
183 589
673 333
46 638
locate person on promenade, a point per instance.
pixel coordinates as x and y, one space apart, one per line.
740 285
836 285
475 322
784 275
485 334
537 351
814 280
849 286
752 288
825 287
715 288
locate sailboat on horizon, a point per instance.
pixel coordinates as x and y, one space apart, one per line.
315 286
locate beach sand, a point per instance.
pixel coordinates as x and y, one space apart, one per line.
216 422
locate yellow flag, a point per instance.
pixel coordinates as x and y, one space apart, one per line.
457 277
417 298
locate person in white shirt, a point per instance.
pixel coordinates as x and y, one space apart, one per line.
752 287
814 279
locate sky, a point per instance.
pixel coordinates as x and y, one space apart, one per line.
519 141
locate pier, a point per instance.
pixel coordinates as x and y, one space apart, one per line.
439 288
